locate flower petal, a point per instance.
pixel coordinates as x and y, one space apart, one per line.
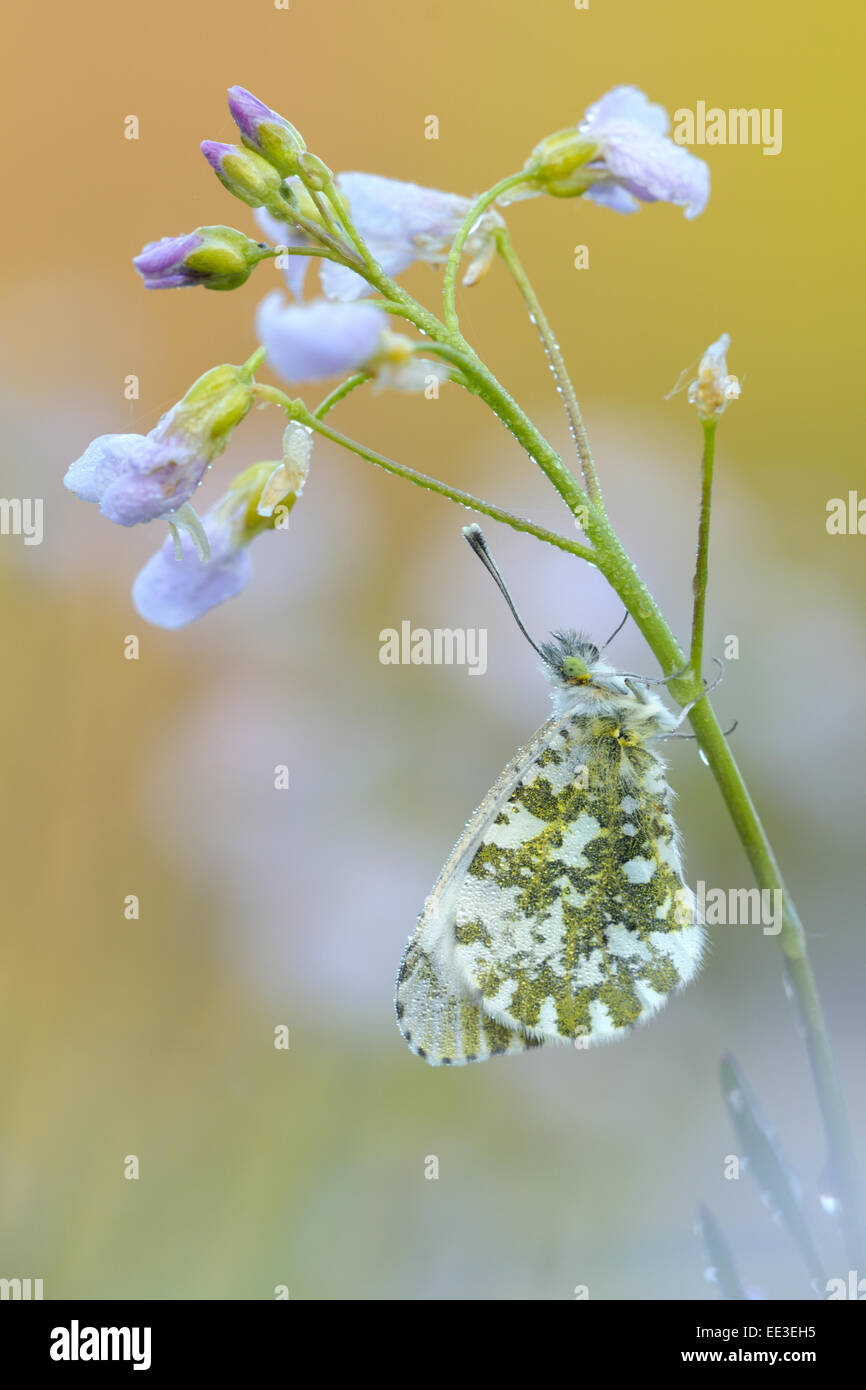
160 263
307 342
636 155
626 104
171 593
610 195
654 169
397 218
99 466
134 477
339 282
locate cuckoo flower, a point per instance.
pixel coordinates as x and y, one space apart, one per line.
172 591
401 223
306 342
220 258
137 478
620 154
175 586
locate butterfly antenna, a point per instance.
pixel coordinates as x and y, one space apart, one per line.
475 537
616 631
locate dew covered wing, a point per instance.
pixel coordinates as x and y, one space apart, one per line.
573 920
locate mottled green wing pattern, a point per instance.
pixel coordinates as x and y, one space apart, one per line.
443 1025
573 920
442 1020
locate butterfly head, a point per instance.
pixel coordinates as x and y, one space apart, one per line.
569 658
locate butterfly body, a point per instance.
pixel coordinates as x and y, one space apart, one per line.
562 914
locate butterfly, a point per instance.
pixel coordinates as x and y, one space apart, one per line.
562 914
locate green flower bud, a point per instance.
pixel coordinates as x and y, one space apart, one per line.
257 499
314 172
225 259
266 131
557 164
213 406
243 172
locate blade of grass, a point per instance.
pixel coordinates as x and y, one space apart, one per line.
778 1184
721 1269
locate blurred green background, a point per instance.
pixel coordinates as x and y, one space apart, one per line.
155 777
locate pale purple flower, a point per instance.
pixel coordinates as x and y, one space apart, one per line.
137 477
306 342
171 592
637 160
400 222
161 263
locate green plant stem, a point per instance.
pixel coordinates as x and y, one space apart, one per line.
557 364
423 480
699 583
614 563
253 363
339 393
478 208
282 209
297 410
322 209
319 253
481 382
344 213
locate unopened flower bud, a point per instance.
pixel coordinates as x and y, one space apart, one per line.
314 172
220 258
243 172
266 132
213 406
558 164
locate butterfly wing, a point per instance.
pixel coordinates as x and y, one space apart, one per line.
439 1012
571 918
